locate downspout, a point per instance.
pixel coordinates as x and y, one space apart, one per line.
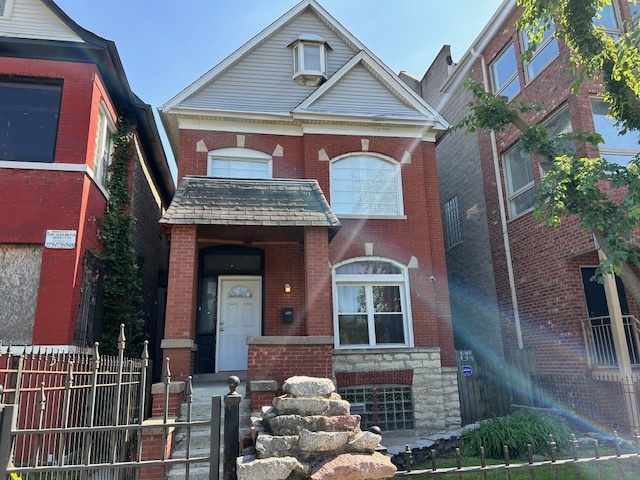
503 213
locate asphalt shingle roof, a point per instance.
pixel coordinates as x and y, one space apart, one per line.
266 202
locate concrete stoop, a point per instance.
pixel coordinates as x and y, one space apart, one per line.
200 435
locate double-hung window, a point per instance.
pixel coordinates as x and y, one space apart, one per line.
504 74
239 163
29 114
104 147
544 54
521 190
371 304
616 148
363 184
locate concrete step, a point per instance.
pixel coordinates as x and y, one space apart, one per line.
195 473
199 439
193 452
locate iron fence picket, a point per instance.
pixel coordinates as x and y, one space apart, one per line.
89 419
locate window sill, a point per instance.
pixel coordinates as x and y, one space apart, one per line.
377 349
372 217
521 214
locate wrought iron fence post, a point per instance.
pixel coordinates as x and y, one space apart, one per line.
407 458
231 429
8 420
214 444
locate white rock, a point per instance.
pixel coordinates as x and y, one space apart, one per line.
248 468
307 387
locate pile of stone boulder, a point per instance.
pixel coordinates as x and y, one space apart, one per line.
309 433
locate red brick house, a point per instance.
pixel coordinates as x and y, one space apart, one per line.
516 284
305 230
62 90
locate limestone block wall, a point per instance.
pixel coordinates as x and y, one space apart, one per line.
436 404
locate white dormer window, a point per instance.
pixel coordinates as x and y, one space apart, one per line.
309 59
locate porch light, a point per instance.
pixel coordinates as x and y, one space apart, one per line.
287 288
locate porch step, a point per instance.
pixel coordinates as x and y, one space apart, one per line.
200 435
195 473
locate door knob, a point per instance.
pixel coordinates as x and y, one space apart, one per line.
221 329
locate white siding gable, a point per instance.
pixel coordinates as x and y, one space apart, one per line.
261 81
31 19
359 92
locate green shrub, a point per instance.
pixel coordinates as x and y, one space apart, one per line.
516 431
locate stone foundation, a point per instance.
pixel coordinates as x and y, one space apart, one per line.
436 404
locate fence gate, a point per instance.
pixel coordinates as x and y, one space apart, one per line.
481 393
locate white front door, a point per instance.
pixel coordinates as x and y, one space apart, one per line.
239 317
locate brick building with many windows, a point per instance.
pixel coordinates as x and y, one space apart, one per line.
305 230
517 285
62 90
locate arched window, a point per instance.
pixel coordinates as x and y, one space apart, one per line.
364 184
371 304
239 163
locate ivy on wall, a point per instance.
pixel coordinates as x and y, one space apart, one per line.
123 285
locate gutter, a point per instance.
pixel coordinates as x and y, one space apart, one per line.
503 213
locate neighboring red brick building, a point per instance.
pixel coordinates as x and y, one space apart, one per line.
62 90
305 232
512 277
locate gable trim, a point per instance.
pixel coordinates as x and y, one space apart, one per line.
259 38
388 78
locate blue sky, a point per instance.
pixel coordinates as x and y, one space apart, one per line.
165 45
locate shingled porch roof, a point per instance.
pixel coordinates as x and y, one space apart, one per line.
264 202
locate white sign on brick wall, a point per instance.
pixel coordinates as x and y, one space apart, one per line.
65 239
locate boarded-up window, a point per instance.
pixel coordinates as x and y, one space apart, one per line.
19 280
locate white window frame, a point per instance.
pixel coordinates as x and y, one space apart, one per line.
302 74
452 227
299 67
513 194
375 156
498 89
546 43
613 150
7 11
401 280
240 155
103 152
615 31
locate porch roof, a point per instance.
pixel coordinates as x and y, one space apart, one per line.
265 202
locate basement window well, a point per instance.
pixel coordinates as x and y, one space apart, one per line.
309 59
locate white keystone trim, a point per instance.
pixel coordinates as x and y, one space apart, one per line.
201 147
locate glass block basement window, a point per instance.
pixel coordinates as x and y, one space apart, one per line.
387 406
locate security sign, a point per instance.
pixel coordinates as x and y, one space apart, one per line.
466 370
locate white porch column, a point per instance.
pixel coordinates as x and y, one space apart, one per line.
620 343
